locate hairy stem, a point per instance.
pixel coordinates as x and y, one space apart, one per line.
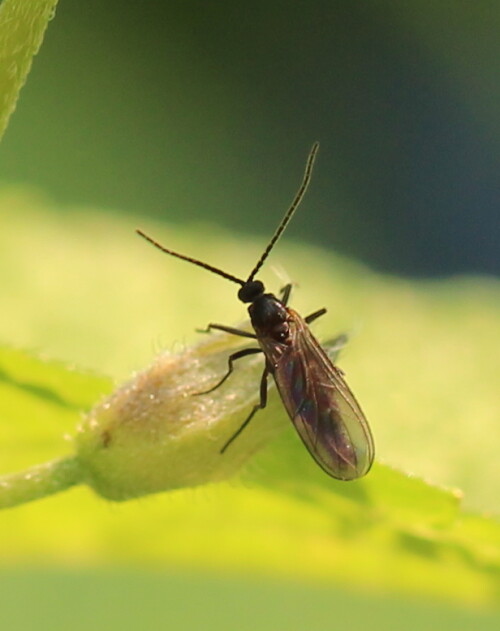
39 481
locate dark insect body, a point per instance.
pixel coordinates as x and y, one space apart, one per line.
324 411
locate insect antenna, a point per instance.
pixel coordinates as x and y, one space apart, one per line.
289 213
206 266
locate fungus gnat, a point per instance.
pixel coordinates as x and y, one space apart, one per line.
324 411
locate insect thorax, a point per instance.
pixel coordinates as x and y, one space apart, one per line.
269 317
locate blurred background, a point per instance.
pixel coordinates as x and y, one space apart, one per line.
204 112
201 115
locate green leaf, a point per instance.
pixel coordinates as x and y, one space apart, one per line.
421 365
386 532
22 28
81 286
40 403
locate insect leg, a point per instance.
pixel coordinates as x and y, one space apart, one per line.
227 329
313 316
243 353
260 406
285 293
334 346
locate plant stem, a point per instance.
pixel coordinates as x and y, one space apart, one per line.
39 481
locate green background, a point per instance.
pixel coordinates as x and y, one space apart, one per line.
193 121
203 112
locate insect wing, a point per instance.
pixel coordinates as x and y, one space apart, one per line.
322 407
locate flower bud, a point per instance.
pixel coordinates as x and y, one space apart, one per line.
157 432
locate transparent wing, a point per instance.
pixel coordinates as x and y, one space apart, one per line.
322 407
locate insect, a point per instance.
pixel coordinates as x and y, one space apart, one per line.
324 411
